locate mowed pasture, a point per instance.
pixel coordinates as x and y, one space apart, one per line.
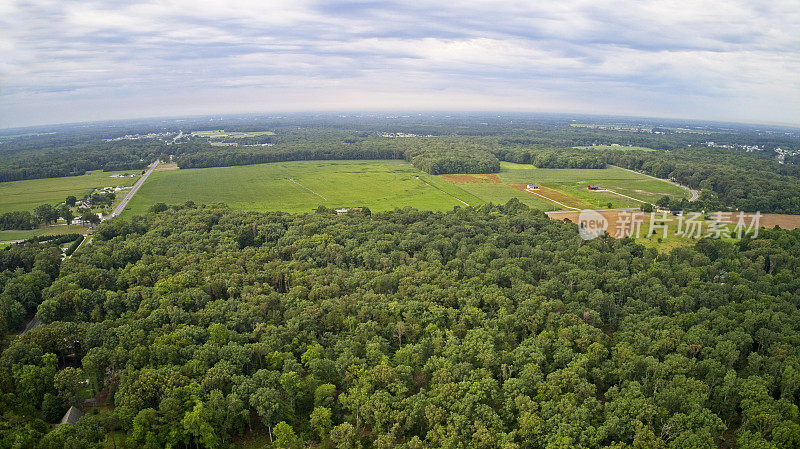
302 186
45 230
27 194
574 183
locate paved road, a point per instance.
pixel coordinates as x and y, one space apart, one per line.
694 193
121 206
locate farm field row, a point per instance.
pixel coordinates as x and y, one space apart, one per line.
567 186
302 186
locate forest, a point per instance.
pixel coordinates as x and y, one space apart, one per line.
198 326
726 178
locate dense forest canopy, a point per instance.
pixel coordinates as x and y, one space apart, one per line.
494 327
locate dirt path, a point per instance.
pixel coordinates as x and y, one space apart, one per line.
550 199
301 185
446 193
626 196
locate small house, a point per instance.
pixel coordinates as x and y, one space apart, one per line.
71 417
532 187
594 187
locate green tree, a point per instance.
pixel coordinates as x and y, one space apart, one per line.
285 436
344 436
68 383
196 422
320 421
267 404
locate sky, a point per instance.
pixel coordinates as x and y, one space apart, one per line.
80 60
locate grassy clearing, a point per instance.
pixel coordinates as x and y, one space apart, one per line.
301 186
27 194
569 186
501 193
575 182
514 166
48 230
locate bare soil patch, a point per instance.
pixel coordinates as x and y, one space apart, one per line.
767 220
166 167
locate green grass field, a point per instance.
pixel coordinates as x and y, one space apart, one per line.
501 193
302 186
47 230
575 182
26 195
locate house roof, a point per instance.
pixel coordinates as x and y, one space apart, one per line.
72 416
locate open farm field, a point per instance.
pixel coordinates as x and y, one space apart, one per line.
302 186
618 188
27 194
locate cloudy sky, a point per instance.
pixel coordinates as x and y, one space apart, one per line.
75 60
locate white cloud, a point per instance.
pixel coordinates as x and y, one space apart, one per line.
707 59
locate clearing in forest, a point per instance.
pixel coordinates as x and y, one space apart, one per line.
302 186
620 188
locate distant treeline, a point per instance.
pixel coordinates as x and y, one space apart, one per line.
552 158
432 155
76 160
249 156
726 178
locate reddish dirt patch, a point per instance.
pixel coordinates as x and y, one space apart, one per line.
465 179
493 178
611 215
782 220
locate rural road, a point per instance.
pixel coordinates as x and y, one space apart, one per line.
121 206
694 193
